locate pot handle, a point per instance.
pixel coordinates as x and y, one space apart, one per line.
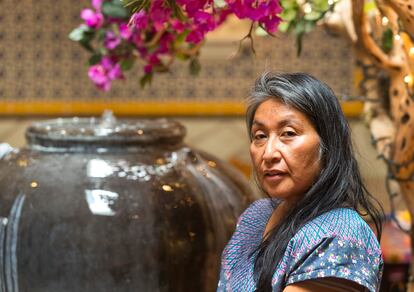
5 149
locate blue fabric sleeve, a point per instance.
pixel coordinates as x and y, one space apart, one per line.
335 257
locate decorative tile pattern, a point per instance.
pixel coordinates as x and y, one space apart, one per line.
39 62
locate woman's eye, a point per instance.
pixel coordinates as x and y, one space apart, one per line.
289 134
259 136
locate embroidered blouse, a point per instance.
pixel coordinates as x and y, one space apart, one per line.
338 243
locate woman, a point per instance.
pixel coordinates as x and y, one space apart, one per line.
309 235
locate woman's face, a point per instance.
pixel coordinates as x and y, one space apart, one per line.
284 150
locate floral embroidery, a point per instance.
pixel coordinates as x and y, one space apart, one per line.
320 249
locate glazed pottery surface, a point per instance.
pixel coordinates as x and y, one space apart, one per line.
106 205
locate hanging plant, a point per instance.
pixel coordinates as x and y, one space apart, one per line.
118 33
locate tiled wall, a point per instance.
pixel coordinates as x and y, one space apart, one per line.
38 62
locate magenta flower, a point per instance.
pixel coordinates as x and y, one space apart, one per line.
124 31
155 34
104 73
97 4
165 43
191 6
139 20
92 19
111 40
178 26
159 14
195 37
147 68
203 23
266 12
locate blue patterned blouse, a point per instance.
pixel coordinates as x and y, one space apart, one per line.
338 244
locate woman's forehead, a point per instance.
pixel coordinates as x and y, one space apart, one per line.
275 110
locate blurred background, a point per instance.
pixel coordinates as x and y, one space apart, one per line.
44 75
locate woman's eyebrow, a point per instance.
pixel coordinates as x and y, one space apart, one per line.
286 121
257 123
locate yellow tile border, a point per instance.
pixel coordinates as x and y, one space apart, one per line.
145 108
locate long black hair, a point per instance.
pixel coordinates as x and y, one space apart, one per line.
339 183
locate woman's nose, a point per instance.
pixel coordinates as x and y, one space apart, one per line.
272 150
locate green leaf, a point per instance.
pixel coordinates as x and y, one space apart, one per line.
289 14
84 35
289 4
284 26
103 51
86 45
219 3
115 9
313 15
127 64
387 40
79 33
100 34
300 27
320 5
309 26
94 59
146 79
195 67
260 31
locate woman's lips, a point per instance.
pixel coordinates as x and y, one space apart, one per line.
274 176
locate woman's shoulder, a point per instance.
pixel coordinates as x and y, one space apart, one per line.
341 224
337 244
256 214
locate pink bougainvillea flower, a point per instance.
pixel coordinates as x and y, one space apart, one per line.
97 4
195 36
155 33
98 76
92 19
124 31
270 23
178 26
139 20
191 6
159 14
154 60
203 23
147 68
111 40
104 73
266 12
165 43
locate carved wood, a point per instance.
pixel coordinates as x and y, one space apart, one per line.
397 65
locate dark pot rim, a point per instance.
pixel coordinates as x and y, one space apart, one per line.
100 133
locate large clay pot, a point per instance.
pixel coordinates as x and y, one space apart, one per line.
104 205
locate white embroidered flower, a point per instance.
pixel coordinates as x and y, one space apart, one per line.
346 271
309 269
321 274
332 258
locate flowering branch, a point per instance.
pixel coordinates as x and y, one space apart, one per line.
156 32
